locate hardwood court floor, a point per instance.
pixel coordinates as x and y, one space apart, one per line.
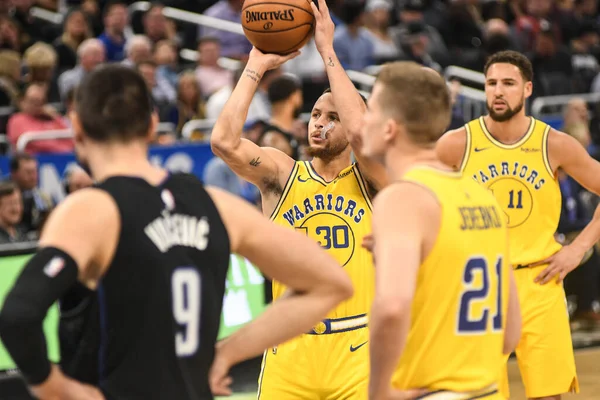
588 372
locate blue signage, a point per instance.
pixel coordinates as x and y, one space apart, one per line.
188 157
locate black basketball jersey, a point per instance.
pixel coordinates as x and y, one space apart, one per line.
157 310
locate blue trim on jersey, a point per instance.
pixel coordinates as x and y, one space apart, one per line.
103 333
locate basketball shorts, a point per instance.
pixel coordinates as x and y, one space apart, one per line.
329 363
545 350
488 393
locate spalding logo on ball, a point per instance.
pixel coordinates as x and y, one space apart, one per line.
279 27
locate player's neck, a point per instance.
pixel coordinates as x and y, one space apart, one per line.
125 160
330 169
398 162
508 132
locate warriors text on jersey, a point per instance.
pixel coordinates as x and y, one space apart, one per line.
459 308
522 180
337 215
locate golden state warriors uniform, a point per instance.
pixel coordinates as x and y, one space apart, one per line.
521 178
331 361
458 314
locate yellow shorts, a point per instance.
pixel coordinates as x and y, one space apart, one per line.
545 351
332 365
488 393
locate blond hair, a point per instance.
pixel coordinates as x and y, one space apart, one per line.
9 61
40 55
416 97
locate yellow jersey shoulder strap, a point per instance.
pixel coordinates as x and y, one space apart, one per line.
432 179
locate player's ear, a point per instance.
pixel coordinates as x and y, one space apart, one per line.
153 127
528 89
76 127
390 130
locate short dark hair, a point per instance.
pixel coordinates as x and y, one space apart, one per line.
514 58
282 87
328 90
113 3
7 188
15 160
113 103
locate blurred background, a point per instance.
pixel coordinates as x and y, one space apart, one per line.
191 54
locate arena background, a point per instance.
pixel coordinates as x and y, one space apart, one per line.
555 89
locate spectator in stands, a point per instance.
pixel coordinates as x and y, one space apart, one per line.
413 41
155 24
553 71
75 178
41 61
377 22
575 112
260 108
11 213
413 11
163 94
285 96
37 116
190 104
116 19
10 76
210 75
10 34
76 30
138 48
32 30
165 56
585 64
37 205
91 53
462 30
233 45
353 45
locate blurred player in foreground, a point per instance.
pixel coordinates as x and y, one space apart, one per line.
446 307
156 249
517 158
326 199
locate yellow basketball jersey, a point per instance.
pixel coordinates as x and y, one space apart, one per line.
459 308
337 215
522 180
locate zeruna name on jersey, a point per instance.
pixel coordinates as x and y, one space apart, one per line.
178 230
280 15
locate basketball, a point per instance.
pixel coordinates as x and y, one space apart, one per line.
278 26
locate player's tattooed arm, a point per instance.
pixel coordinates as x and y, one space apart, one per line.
255 162
330 62
255 76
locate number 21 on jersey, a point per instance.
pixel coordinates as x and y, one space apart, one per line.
479 302
185 289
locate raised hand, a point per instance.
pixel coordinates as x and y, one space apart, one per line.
325 27
268 60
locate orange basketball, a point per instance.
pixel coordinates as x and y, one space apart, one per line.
279 27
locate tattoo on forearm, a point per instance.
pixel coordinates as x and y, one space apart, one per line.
255 162
255 76
330 62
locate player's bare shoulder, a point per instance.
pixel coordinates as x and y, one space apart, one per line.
452 147
561 148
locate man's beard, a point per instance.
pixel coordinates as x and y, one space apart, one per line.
506 115
329 152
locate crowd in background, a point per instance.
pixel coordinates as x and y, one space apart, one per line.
41 64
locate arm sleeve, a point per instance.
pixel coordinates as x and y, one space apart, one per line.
47 275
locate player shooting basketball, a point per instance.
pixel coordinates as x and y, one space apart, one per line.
326 199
